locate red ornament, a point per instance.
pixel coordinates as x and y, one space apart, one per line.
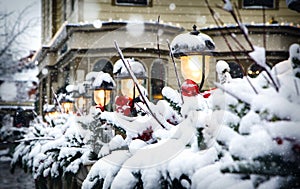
146 135
127 111
278 140
100 107
207 93
189 88
123 105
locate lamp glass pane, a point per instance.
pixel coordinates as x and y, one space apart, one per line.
191 67
127 86
101 96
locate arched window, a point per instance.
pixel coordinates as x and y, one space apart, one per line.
103 65
157 80
236 71
254 70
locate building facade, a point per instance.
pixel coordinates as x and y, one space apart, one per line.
78 37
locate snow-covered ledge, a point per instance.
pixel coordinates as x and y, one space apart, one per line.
86 37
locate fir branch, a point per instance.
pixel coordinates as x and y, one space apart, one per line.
218 85
267 167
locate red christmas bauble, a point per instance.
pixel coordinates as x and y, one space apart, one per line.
189 88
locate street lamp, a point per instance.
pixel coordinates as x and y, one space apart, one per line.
51 113
81 96
102 89
194 50
67 104
126 86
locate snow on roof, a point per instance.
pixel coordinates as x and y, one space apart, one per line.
221 66
227 6
91 76
71 88
49 108
259 55
189 43
101 78
137 68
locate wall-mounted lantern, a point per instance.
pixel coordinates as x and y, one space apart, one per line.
126 86
81 97
50 113
194 50
102 89
67 105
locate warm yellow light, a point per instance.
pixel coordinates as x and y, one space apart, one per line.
101 96
68 107
52 115
191 67
127 88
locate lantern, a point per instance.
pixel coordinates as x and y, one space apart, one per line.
126 86
102 96
194 50
81 97
51 112
67 105
102 89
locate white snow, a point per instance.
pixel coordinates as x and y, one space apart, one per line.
8 91
222 69
101 76
187 43
136 67
259 56
227 6
171 94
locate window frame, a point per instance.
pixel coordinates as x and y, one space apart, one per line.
275 6
148 3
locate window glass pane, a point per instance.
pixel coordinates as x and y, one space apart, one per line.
132 2
236 70
157 79
258 3
103 65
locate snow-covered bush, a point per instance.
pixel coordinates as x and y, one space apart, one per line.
244 135
52 152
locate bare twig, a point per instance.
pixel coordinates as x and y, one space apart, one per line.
252 86
239 23
55 96
176 72
238 12
249 42
81 114
34 138
296 86
271 77
137 86
16 30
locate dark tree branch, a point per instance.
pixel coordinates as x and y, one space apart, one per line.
176 72
19 28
